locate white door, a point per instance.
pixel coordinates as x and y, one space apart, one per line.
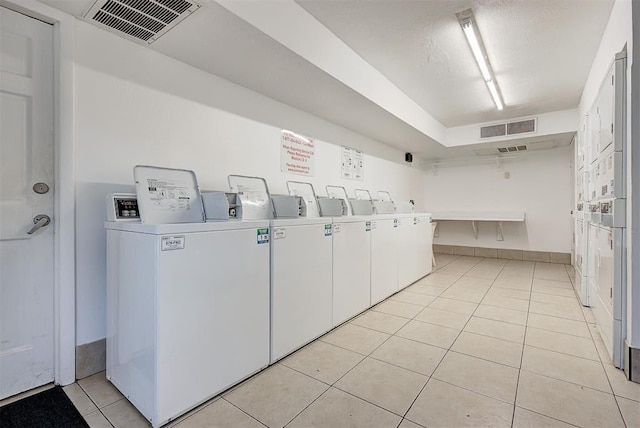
26 158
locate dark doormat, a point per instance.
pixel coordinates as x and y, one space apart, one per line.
50 408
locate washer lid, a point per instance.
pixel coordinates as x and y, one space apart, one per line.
167 195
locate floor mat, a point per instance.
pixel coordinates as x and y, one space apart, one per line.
50 408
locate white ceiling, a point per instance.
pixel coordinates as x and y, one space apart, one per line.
541 51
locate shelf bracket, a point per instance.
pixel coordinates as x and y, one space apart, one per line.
436 231
499 232
474 225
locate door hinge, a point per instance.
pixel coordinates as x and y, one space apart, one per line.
611 293
612 128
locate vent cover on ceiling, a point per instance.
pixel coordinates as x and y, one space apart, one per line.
526 126
143 21
541 145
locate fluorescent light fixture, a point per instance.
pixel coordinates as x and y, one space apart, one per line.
470 30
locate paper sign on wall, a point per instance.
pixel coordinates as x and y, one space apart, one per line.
297 154
352 164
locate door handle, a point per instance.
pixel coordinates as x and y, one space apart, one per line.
39 221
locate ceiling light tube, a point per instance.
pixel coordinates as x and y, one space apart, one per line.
472 38
470 30
493 90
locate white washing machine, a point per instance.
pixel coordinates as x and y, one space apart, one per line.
581 283
187 311
301 276
610 300
351 266
415 249
384 257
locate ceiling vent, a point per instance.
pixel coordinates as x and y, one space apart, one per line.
542 145
526 126
143 21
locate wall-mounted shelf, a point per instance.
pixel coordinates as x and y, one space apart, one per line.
475 217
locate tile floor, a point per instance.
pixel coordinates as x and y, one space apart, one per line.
480 342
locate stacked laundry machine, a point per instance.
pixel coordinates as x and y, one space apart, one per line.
600 216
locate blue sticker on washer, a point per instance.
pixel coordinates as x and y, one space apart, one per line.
367 226
328 230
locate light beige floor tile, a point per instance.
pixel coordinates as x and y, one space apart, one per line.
276 395
524 418
453 305
566 367
473 282
621 386
603 353
506 302
100 390
355 338
444 318
80 399
570 302
559 325
220 413
560 311
559 342
455 269
413 298
510 271
409 354
484 271
630 411
489 348
498 329
551 274
336 408
512 284
510 293
485 377
555 291
400 309
385 385
406 423
501 314
122 414
553 287
430 334
429 290
443 405
522 264
97 420
438 279
380 321
494 261
467 294
474 260
567 402
588 315
323 361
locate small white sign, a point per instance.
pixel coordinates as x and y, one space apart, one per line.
337 228
352 164
279 233
170 243
297 154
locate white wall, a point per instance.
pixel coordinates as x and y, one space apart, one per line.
540 184
135 106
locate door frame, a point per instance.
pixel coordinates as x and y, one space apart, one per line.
64 296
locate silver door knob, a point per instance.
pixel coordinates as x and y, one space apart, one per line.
41 220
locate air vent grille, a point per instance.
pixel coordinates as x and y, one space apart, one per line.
140 20
526 126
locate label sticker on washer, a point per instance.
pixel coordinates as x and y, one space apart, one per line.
337 228
367 226
328 230
395 222
170 243
279 233
415 220
263 236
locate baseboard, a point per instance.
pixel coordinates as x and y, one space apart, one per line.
91 358
502 253
632 362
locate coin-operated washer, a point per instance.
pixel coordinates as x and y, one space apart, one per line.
415 244
301 260
351 257
175 285
384 249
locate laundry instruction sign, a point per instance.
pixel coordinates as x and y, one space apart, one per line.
352 164
297 154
